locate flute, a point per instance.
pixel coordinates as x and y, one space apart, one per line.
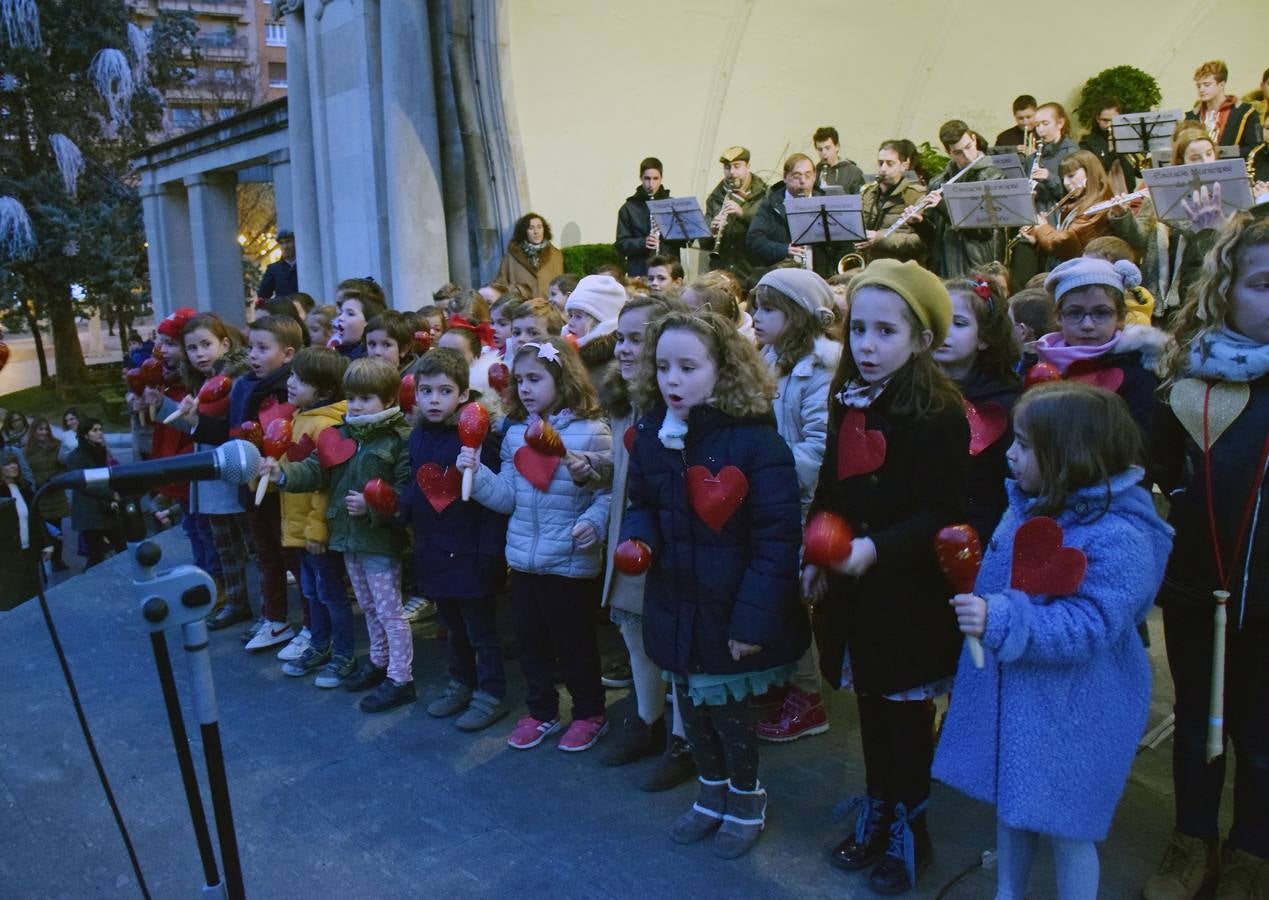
925 202
1117 201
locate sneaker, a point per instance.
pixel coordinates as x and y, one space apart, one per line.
335 671
582 734
529 732
250 631
1243 876
618 675
672 768
388 695
227 615
310 659
483 711
801 715
270 634
635 740
298 645
418 608
364 677
1189 865
450 703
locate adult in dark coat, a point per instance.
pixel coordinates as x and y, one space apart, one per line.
955 253
832 169
282 277
769 241
634 223
18 515
95 513
1097 142
730 209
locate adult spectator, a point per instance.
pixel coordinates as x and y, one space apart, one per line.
54 506
635 240
730 208
94 514
17 449
832 169
531 260
1021 137
15 429
70 433
281 278
1228 122
27 538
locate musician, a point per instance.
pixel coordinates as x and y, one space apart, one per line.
1228 122
885 200
1021 137
832 168
635 241
1062 234
955 253
1119 166
730 208
1053 131
769 241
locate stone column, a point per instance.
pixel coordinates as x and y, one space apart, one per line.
213 206
304 218
283 204
165 210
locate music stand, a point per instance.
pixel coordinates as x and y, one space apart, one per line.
1171 185
825 219
1144 132
679 218
1229 151
1003 203
1009 164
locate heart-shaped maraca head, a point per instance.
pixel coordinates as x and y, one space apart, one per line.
827 540
632 557
499 376
959 553
135 380
422 341
473 425
380 496
542 437
215 388
1041 373
251 431
151 372
277 438
406 394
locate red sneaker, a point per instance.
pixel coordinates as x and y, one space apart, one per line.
802 715
583 734
529 732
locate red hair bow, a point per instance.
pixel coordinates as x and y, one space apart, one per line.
982 288
484 330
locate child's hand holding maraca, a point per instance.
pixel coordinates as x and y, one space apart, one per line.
863 553
355 503
971 614
270 470
468 459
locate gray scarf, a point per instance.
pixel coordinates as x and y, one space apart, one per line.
1229 356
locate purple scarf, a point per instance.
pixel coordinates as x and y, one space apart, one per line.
1054 350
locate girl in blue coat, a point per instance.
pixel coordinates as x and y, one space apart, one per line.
713 498
1048 728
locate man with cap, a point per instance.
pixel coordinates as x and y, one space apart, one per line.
833 170
730 209
281 279
635 240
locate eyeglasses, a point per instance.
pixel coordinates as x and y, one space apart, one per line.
1075 315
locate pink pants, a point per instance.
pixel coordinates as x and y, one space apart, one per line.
376 580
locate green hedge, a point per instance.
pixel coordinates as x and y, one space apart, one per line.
584 259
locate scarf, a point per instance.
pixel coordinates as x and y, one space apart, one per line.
533 251
1229 356
1054 350
24 521
860 394
672 432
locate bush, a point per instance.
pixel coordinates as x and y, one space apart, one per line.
932 161
584 259
1129 88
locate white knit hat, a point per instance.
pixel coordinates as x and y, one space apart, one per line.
599 296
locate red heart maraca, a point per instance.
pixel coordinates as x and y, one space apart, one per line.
136 383
542 437
827 540
960 553
499 376
380 496
251 431
152 372
405 394
277 438
632 557
422 341
215 388
1040 373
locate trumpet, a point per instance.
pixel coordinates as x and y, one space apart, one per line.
1112 203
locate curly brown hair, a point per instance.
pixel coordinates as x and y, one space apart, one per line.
994 328
744 387
616 391
573 388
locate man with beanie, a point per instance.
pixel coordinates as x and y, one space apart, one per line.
730 209
635 240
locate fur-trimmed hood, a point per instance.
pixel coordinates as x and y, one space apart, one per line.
1149 342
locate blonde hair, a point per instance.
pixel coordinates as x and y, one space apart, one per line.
573 388
744 387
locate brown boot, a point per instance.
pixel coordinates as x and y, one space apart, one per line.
1243 877
1188 865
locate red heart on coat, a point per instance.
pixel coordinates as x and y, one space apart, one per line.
273 408
859 451
301 449
1041 565
628 439
538 467
1110 379
440 486
987 422
333 448
716 497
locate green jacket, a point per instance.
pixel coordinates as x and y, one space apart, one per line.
382 452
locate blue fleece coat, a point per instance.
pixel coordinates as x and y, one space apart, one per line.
1048 728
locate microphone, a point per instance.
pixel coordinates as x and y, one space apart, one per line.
233 462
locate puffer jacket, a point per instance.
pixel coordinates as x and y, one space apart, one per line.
801 411
304 515
709 586
44 464
381 453
540 531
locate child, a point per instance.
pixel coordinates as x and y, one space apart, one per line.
889 634
664 274
793 308
553 537
980 354
642 734
1094 343
359 300
532 320
315 389
468 339
1033 315
389 337
370 541
592 308
1222 341
433 321
558 290
321 325
500 319
721 611
458 547
1047 730
1140 302
721 292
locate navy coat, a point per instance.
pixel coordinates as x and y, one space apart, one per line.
988 469
707 587
458 553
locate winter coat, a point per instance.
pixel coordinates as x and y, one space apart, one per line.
1047 730
988 468
634 223
768 239
957 252
846 175
1178 469
540 531
515 268
304 515
381 453
801 412
1069 241
172 441
1171 255
54 505
882 209
728 249
21 579
1049 191
1241 124
92 509
707 587
24 466
280 279
1097 142
623 592
895 619
459 551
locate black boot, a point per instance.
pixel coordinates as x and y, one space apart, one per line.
229 614
872 834
907 856
672 768
636 740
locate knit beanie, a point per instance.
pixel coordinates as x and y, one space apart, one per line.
174 322
805 288
599 296
1083 271
920 288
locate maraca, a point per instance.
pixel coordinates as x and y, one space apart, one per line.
251 432
499 376
1041 373
632 557
960 553
380 496
827 540
422 342
543 437
473 425
215 388
4 354
405 394
277 440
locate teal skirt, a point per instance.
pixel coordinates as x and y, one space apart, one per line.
716 690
